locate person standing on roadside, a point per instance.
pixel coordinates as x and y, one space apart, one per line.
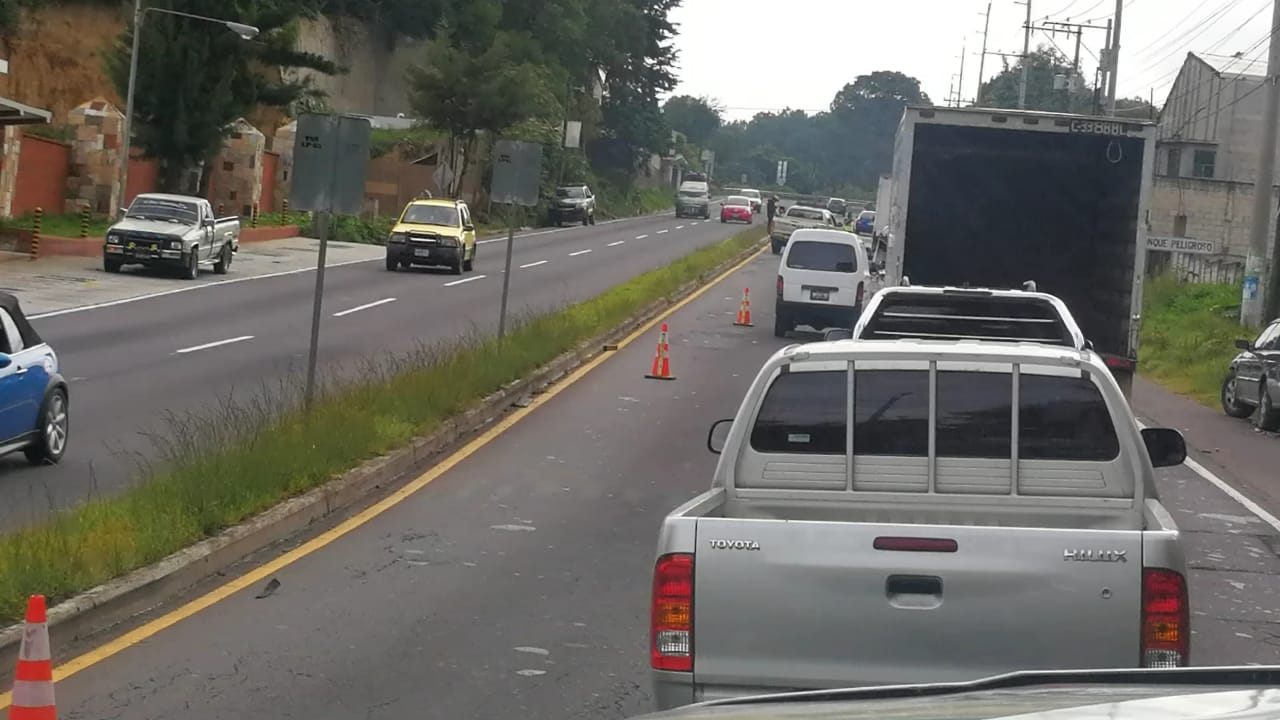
770 210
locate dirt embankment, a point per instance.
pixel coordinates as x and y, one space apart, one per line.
56 58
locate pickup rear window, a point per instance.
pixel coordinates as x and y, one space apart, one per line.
823 256
1059 418
806 213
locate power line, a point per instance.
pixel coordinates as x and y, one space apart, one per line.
1235 58
1186 38
1164 37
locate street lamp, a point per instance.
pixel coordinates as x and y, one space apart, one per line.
246 32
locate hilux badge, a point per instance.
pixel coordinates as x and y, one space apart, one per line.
1112 556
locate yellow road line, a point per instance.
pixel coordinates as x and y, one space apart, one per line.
262 572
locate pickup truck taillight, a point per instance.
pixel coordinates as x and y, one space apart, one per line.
779 286
1166 619
671 623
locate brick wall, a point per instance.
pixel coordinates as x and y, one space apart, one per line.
1215 210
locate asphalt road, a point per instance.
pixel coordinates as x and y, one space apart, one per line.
132 363
516 584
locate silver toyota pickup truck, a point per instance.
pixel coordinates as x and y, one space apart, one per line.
919 511
171 231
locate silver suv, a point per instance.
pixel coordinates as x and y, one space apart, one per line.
573 203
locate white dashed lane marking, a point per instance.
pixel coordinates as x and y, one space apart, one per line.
366 306
465 280
533 264
218 343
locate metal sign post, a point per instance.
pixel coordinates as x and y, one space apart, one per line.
330 162
517 174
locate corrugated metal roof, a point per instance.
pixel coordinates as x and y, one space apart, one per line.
13 112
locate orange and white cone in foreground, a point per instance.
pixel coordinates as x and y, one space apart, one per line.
744 310
662 359
32 697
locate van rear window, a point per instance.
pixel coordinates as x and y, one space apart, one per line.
824 256
1059 418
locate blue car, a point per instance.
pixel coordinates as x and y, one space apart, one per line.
33 394
866 222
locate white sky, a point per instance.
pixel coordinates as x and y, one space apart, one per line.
754 55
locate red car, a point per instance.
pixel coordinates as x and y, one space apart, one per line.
736 208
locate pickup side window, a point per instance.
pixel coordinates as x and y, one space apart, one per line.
1064 418
975 413
891 413
803 413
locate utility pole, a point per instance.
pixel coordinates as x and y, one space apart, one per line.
982 58
1115 60
1026 57
1253 297
1104 72
964 47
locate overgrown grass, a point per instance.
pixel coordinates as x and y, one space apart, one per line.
68 224
1188 335
217 468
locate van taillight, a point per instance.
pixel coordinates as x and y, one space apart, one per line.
671 622
779 286
858 299
1166 619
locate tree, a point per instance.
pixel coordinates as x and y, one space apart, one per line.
195 78
467 90
1043 64
698 118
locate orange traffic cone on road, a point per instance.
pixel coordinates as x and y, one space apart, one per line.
32 697
662 359
744 310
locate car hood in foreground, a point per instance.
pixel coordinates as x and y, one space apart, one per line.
1078 702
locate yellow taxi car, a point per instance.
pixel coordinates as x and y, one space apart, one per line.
436 232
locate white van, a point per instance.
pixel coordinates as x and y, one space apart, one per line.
822 279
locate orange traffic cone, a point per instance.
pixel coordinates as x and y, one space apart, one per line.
32 697
662 359
744 310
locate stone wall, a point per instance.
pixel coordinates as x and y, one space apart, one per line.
235 182
93 178
9 155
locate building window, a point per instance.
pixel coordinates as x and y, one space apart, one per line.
1173 162
1180 226
1202 165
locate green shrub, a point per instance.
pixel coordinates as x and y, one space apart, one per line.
1188 335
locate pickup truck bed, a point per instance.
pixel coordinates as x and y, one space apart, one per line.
929 557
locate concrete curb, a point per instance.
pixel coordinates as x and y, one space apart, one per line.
109 604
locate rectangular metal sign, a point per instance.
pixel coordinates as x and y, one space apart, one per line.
517 173
330 163
1163 243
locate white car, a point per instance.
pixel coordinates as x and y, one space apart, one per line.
822 278
754 196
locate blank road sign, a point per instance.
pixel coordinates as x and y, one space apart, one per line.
517 173
330 163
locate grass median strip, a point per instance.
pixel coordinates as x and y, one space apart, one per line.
224 466
1188 336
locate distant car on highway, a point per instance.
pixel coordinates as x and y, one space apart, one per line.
795 218
171 231
755 196
866 222
822 278
693 199
33 394
573 203
433 232
736 208
838 207
1252 385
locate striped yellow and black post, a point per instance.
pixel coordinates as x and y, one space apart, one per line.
219 209
84 221
35 233
253 218
284 211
